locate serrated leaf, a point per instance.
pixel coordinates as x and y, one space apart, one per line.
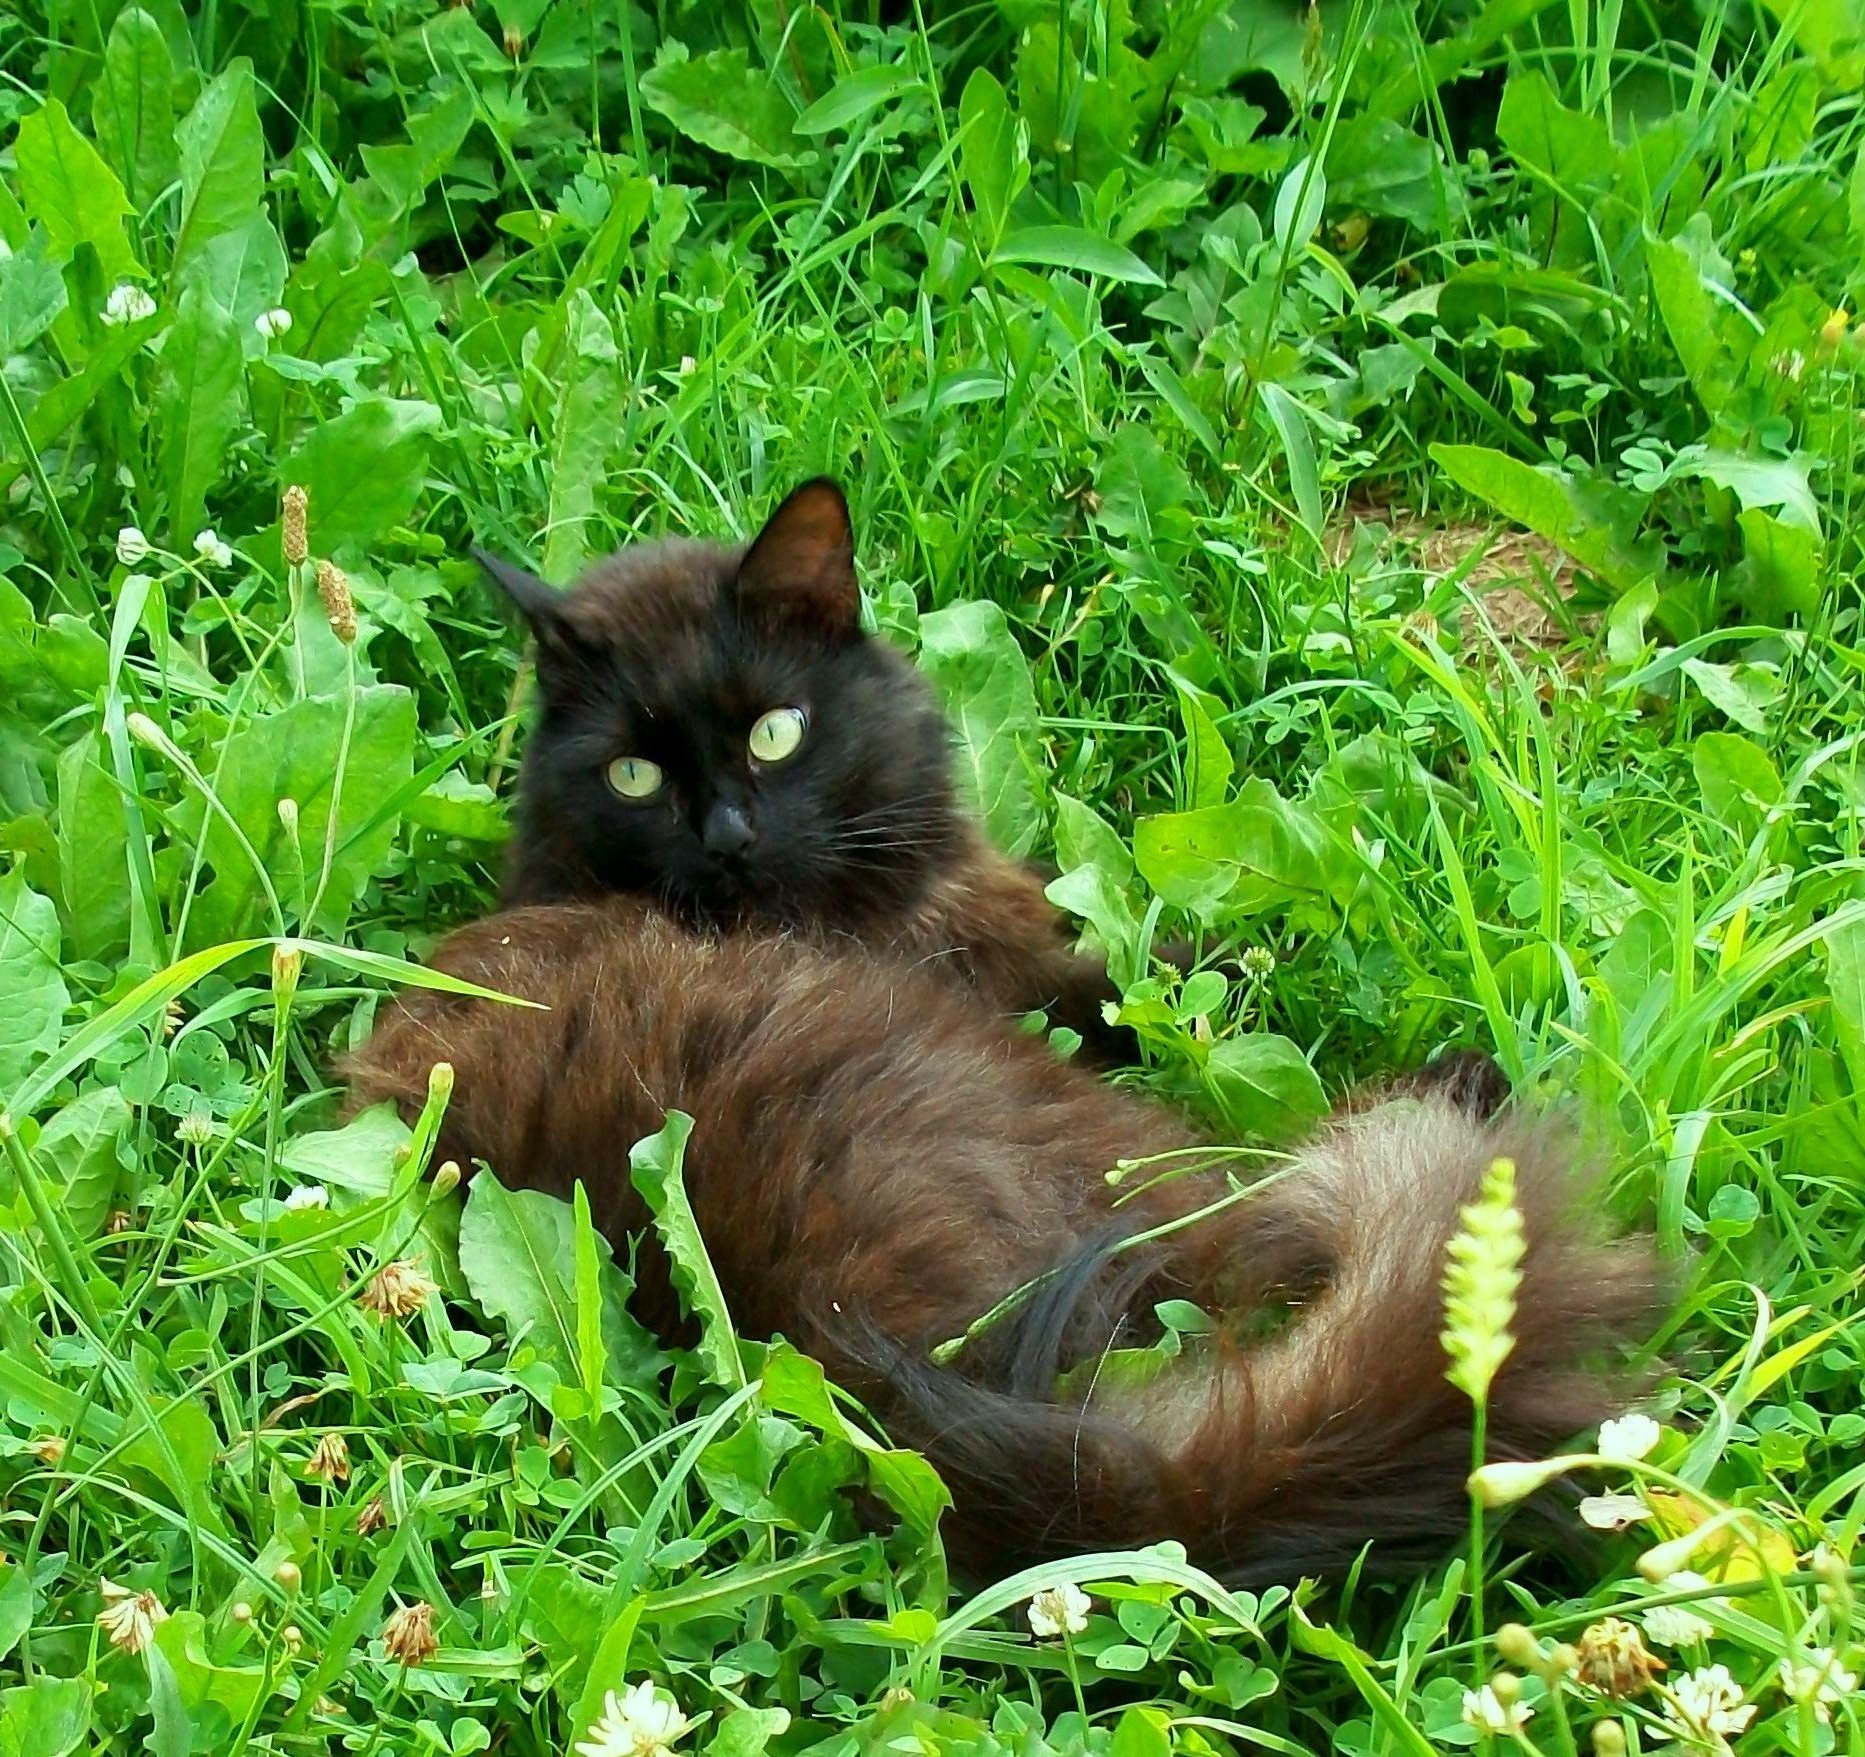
655 1165
721 101
589 417
32 296
65 185
33 996
200 400
1073 247
1254 854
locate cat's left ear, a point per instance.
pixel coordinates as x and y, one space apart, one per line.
801 566
541 606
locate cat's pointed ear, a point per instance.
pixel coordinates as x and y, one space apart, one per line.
535 601
801 566
541 605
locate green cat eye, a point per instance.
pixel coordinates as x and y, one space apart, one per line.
635 777
777 734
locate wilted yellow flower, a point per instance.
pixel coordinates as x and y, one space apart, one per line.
1615 1660
408 1636
331 1460
333 586
49 1450
372 1518
129 1617
397 1290
1833 330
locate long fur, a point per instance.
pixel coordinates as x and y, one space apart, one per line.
877 1162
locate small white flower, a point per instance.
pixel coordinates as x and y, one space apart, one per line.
642 1723
688 365
129 1617
208 546
1818 1678
1613 1512
1708 1703
1629 1438
1677 1625
1488 1713
308 1196
1059 1610
127 303
274 323
132 545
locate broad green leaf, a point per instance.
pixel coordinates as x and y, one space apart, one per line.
199 1682
362 1156
1290 422
1073 247
243 271
93 857
518 1254
33 996
1378 167
16 1605
1761 484
588 421
363 471
1831 31
1547 503
133 107
993 155
47 1718
1207 757
65 185
294 754
199 402
402 173
80 1145
1570 162
222 165
1738 779
1711 340
854 95
1264 1085
974 660
720 100
1299 204
1255 854
1845 982
656 1164
32 297
589 1255
1781 573
1744 692
1096 873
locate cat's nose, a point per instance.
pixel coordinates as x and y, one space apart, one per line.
727 832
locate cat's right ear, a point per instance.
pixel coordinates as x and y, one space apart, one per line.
801 567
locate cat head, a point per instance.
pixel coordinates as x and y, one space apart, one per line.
716 731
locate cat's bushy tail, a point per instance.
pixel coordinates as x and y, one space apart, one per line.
1341 1428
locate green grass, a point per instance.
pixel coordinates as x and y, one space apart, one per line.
1157 346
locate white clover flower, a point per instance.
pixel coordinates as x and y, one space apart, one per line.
208 546
1676 1625
132 545
307 1196
1818 1678
1708 1703
643 1723
1628 1439
274 323
1488 1713
129 1617
127 303
1613 1512
1059 1610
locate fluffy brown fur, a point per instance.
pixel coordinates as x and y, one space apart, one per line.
876 1163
